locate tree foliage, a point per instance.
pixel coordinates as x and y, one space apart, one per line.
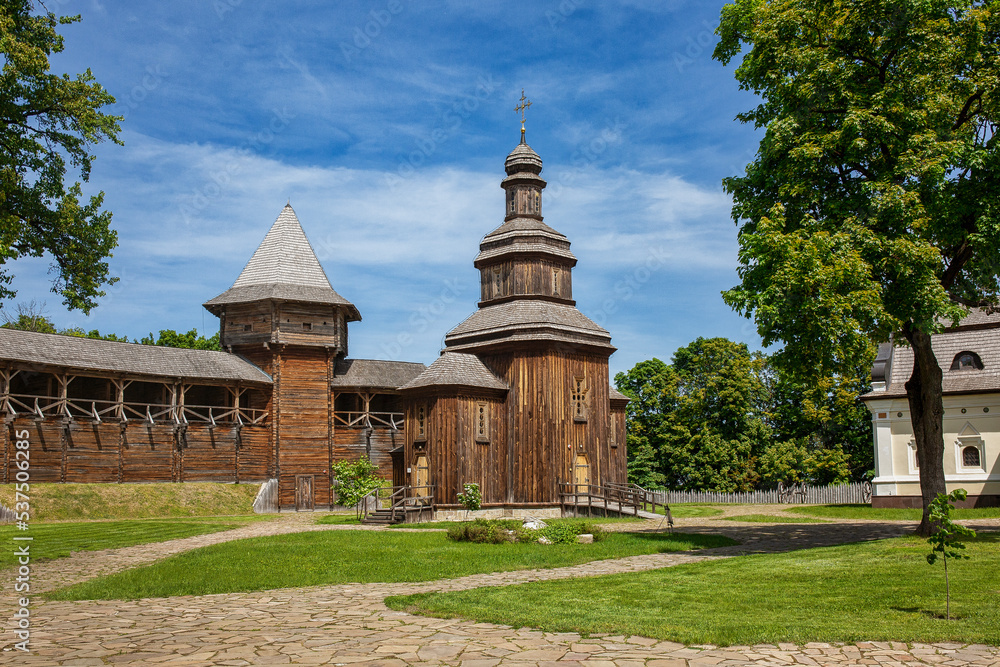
191 340
719 417
49 124
946 539
353 480
872 207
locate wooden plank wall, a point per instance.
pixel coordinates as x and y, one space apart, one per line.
349 444
617 471
87 452
302 417
520 277
543 439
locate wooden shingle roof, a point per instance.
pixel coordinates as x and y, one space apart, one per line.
374 373
527 320
616 395
284 267
979 332
454 369
54 351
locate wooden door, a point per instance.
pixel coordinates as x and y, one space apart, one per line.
304 493
581 473
421 476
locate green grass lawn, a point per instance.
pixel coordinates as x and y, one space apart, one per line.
348 556
692 511
68 502
339 519
771 518
887 514
877 591
57 540
444 525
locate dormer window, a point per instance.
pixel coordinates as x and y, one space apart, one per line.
967 361
307 326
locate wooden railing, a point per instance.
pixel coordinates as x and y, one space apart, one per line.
621 499
40 407
399 501
393 420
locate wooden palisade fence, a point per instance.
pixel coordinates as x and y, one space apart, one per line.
854 493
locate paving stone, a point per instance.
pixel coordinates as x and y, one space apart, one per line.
349 624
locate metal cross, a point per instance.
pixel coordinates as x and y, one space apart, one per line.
525 103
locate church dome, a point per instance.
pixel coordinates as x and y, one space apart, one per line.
523 159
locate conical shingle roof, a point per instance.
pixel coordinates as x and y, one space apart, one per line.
455 369
284 267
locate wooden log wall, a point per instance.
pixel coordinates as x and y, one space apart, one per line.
517 277
86 451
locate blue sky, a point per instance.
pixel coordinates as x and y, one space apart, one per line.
386 124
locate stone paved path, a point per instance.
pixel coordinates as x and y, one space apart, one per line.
349 624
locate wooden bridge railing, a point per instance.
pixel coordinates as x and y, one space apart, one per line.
619 498
398 501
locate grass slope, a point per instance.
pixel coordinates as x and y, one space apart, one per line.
868 591
60 502
348 556
57 540
888 514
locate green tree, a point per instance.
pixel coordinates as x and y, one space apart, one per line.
652 387
191 340
50 122
699 422
946 541
872 205
353 480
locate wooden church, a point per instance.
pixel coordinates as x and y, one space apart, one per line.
518 402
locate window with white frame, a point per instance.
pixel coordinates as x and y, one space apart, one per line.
970 455
911 456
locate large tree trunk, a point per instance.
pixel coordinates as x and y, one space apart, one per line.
923 392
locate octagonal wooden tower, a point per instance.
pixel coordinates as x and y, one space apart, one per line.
519 399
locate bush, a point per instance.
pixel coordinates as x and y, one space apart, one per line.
499 531
486 531
353 480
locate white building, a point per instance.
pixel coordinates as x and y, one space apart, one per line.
969 355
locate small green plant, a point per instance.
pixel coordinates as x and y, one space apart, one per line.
486 531
470 498
945 542
353 480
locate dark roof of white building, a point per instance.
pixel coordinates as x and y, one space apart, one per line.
978 333
454 369
109 357
374 373
283 268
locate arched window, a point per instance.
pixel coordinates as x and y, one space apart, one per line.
970 457
967 361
